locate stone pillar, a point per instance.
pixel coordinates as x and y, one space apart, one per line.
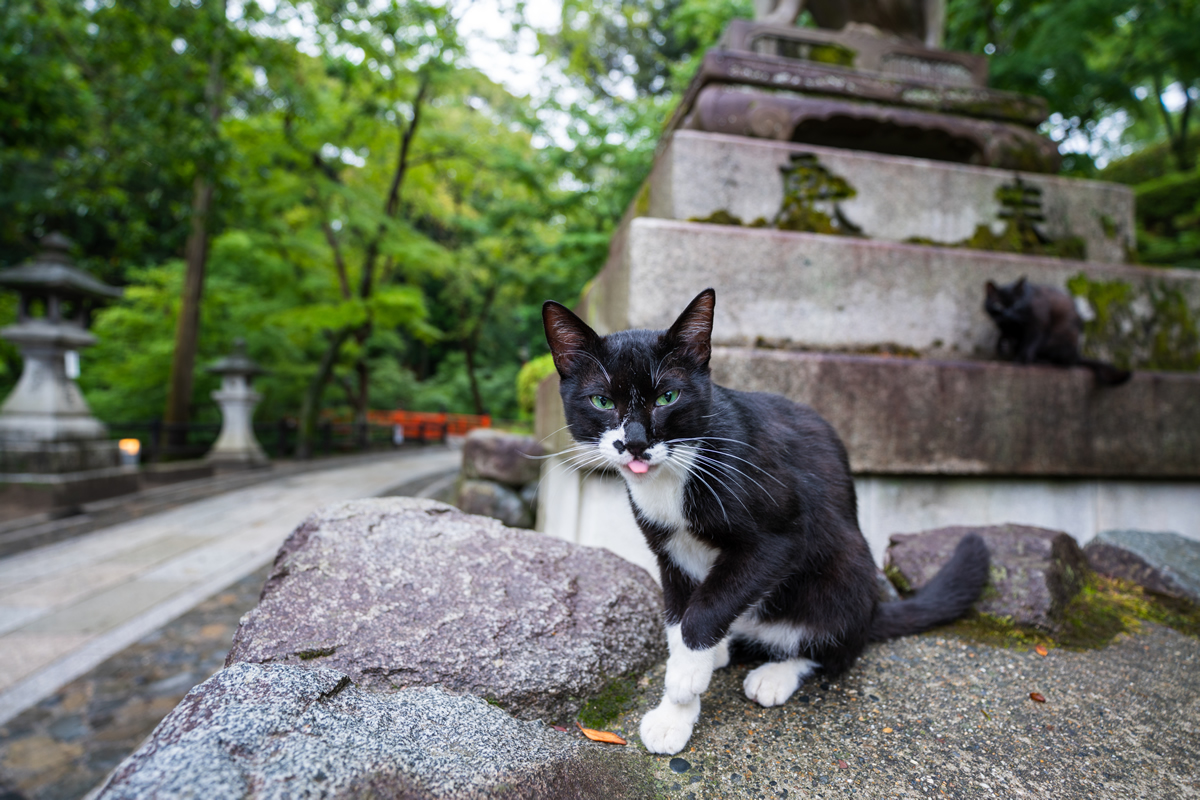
236 446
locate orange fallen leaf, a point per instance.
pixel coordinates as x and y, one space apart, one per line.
1037 697
1041 650
600 736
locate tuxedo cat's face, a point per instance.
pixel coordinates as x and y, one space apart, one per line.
635 400
1006 303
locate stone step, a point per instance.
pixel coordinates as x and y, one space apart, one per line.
824 292
902 416
917 416
698 175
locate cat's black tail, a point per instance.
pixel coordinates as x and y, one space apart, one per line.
944 599
1106 374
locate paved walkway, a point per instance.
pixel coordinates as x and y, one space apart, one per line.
67 607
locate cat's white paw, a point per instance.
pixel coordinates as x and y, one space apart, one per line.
721 656
688 671
774 682
666 729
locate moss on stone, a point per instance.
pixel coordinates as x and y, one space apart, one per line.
608 704
1146 326
1104 608
315 652
897 578
641 203
1021 211
810 197
719 217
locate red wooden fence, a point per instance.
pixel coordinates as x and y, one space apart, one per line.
428 424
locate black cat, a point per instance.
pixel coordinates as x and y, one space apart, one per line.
748 504
1040 324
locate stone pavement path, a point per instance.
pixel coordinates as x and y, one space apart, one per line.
67 607
62 747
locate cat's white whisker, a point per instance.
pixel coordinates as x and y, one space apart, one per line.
716 463
731 455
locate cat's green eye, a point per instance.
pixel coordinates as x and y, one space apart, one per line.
667 397
601 402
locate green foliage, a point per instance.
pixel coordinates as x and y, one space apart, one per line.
528 379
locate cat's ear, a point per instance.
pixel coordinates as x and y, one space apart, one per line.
571 340
993 291
692 332
1019 286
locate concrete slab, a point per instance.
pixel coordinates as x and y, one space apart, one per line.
823 292
916 416
896 198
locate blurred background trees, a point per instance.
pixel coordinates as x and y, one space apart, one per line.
383 220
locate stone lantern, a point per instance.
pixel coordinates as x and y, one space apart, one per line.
236 446
45 424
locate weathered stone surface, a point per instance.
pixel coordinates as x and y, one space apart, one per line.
1035 571
772 114
495 500
276 731
503 457
698 174
399 592
916 416
821 292
1165 563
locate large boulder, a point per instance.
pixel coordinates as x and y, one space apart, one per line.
1163 563
494 500
1034 571
399 592
254 731
502 457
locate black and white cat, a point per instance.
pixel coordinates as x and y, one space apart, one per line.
747 502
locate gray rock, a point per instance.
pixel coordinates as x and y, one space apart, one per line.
399 592
504 457
887 592
277 731
1035 571
1164 563
491 499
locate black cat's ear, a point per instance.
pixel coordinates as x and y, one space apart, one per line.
993 291
692 332
570 338
1019 286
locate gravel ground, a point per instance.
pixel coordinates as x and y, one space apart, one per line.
65 745
930 716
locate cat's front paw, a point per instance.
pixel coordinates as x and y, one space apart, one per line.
666 729
774 682
688 675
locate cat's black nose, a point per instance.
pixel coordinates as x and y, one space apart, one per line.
635 440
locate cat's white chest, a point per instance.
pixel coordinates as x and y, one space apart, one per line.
661 501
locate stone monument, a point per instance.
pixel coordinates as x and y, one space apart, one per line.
236 445
52 450
848 193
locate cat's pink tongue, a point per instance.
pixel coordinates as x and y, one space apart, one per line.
638 467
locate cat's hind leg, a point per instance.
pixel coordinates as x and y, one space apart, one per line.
774 682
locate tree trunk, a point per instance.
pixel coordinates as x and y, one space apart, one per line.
310 409
469 351
187 328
